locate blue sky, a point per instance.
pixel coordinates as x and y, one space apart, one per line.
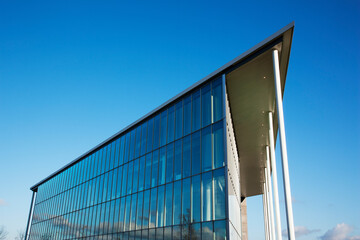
74 73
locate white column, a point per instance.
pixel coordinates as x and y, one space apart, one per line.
266 228
28 226
289 212
270 194
275 181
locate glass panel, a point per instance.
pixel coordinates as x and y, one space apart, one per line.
196 231
127 213
177 159
141 173
132 144
162 165
143 139
163 128
169 162
218 147
219 193
130 176
168 233
177 233
146 209
122 149
187 115
196 111
206 160
177 203
206 196
195 153
150 134
133 212
186 156
178 120
186 200
168 204
159 233
156 131
136 176
153 208
127 147
155 168
220 230
195 198
171 123
152 234
207 230
119 178
137 141
116 152
160 207
139 218
205 105
217 99
148 171
124 175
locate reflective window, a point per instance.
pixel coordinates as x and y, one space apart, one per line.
153 212
171 123
141 173
220 230
137 141
168 204
207 230
136 176
196 231
177 203
160 207
186 166
196 111
155 168
124 175
156 141
143 139
206 159
130 178
206 184
195 153
186 200
178 120
219 193
169 162
146 209
148 171
150 135
163 128
139 218
133 212
178 159
217 99
132 144
187 115
218 144
162 162
205 105
195 198
127 213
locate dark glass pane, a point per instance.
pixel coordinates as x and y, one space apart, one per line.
219 193
168 233
152 234
186 166
150 134
139 209
171 123
146 209
160 207
143 139
207 230
205 105
144 234
195 198
195 231
127 213
218 144
196 111
121 151
153 202
163 128
159 233
127 147
220 230
155 168
206 159
148 171
168 204
116 152
133 212
195 153
156 131
137 141
217 98
186 201
141 173
206 196
132 144
130 177
162 162
136 176
178 159
177 203
169 163
116 225
124 178
177 233
178 120
187 115
111 155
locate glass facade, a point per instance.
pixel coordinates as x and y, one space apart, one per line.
164 178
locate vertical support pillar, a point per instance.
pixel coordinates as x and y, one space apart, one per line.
27 232
270 194
266 226
275 181
289 211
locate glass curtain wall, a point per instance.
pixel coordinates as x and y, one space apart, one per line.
162 179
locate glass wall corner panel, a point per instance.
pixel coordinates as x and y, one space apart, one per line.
143 139
124 180
137 142
122 150
119 181
162 162
136 176
171 124
132 145
176 233
139 210
148 171
169 163
179 120
218 144
206 196
187 115
130 178
217 100
178 160
127 213
196 198
207 231
133 212
127 147
186 166
146 211
186 201
163 128
206 158
168 204
141 173
195 153
196 111
153 201
155 168
150 135
219 194
160 207
220 230
177 203
156 137
205 105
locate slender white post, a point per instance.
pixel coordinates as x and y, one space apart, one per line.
28 226
266 229
289 212
268 204
275 181
270 198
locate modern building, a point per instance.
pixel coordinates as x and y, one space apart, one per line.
184 170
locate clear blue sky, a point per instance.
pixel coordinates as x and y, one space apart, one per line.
72 73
